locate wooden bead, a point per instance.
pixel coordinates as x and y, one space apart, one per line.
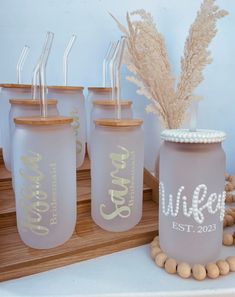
160 259
199 272
227 239
154 251
212 270
231 262
225 223
233 196
184 270
229 198
229 219
154 243
228 187
223 267
170 266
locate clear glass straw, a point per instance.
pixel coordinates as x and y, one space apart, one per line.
42 75
193 116
65 58
113 72
106 61
21 61
36 68
117 68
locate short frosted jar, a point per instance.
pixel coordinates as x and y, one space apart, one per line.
45 180
7 92
117 158
191 195
106 109
23 108
71 103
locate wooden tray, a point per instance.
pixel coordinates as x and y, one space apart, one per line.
88 240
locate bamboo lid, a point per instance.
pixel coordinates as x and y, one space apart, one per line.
66 88
40 121
31 102
111 103
118 123
100 89
15 86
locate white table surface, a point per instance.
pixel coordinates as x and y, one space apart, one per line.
128 273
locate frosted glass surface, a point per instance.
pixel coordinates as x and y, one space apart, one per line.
117 158
72 104
45 184
196 238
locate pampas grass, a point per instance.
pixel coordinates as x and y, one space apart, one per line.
147 60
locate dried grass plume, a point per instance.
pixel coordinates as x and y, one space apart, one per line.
147 59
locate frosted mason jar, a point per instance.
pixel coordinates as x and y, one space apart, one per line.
45 180
106 109
117 160
22 108
9 91
191 195
71 103
95 93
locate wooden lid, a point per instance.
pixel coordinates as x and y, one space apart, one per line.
111 103
100 89
118 123
16 86
40 121
31 102
66 88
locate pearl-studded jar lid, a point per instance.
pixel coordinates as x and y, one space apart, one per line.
198 136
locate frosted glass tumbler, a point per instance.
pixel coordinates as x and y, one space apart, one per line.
106 109
71 103
9 91
44 167
22 108
191 195
117 160
95 93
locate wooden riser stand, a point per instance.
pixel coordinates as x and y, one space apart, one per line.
88 241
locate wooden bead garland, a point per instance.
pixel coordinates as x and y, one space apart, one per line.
198 271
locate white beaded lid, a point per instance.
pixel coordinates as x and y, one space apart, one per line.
198 136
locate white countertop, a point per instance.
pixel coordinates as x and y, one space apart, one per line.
128 273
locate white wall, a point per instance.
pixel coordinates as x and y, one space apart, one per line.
26 21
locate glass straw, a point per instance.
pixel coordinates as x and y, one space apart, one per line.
113 72
42 75
108 56
21 61
65 58
36 68
117 68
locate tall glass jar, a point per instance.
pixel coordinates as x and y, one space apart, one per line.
22 108
95 93
191 197
106 109
9 91
117 160
71 103
44 155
